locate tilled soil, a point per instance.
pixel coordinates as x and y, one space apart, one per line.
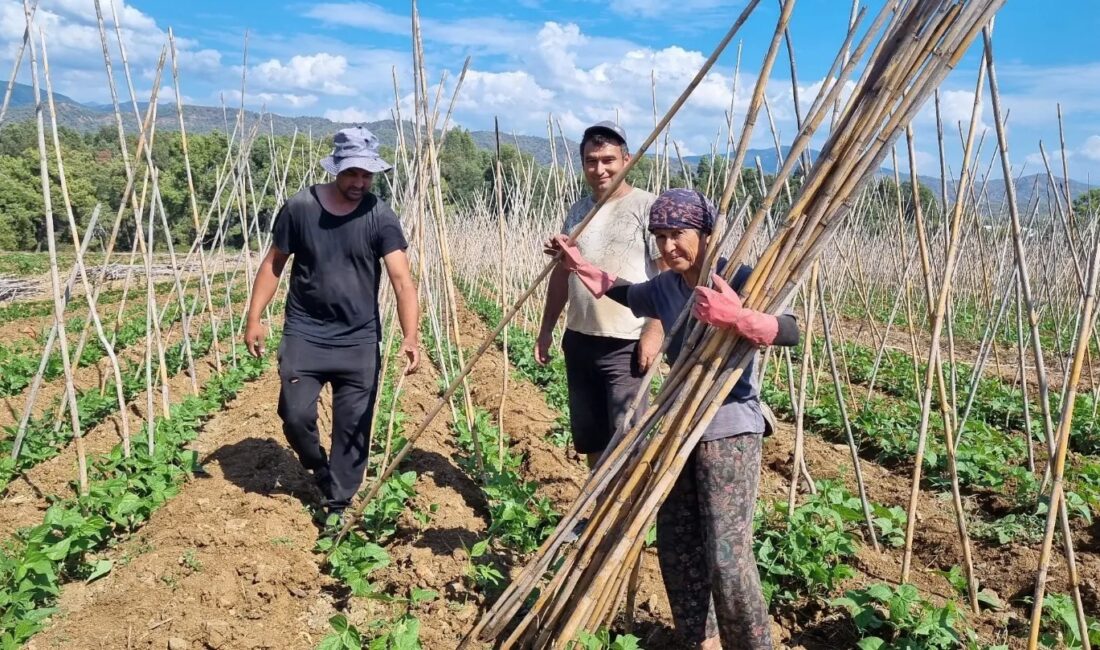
229 562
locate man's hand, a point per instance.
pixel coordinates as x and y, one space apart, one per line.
649 346
411 349
542 348
255 333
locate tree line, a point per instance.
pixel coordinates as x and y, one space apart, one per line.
95 174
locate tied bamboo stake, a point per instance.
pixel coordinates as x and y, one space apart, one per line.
456 382
124 417
498 176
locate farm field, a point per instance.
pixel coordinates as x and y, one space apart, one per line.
932 481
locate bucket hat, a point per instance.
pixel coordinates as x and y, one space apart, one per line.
354 147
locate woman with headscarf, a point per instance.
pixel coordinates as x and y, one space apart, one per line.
704 528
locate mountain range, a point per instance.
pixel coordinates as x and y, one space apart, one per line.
206 119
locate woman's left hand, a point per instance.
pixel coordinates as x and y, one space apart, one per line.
719 308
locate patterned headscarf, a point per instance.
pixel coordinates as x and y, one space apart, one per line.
682 209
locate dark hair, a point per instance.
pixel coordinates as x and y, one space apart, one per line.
601 138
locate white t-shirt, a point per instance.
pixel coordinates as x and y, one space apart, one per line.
618 241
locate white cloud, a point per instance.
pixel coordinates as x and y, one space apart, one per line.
1091 148
356 115
76 54
321 72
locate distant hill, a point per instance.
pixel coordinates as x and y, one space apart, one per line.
206 119
23 95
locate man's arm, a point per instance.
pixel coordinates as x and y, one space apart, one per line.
557 294
653 333
263 290
408 309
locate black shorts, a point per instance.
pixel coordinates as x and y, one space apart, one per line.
603 378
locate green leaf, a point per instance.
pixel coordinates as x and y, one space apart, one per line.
871 643
479 548
100 569
418 596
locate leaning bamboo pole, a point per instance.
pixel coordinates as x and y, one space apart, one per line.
810 298
934 372
16 65
124 418
498 181
1057 506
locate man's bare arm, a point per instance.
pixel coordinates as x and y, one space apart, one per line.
263 290
557 294
408 309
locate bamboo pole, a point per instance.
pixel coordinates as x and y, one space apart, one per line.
124 418
55 280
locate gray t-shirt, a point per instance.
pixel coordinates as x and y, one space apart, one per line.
664 297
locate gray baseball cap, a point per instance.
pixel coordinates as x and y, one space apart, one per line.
354 147
606 127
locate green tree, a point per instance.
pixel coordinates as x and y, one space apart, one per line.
462 166
1087 206
20 205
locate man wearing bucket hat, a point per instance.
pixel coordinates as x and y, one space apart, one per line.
339 233
607 349
704 527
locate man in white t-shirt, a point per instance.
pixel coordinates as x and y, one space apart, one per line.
607 349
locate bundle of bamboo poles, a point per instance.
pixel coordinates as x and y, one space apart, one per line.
919 42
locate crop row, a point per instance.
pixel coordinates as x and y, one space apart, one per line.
20 360
44 438
995 401
123 492
29 309
970 322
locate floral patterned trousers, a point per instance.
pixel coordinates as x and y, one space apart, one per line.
704 544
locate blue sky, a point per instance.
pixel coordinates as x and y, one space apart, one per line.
578 61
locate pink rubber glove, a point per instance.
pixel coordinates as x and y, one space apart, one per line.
722 308
596 280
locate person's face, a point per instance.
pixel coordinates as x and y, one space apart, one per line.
680 249
601 163
353 183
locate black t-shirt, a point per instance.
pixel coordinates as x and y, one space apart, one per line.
333 296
